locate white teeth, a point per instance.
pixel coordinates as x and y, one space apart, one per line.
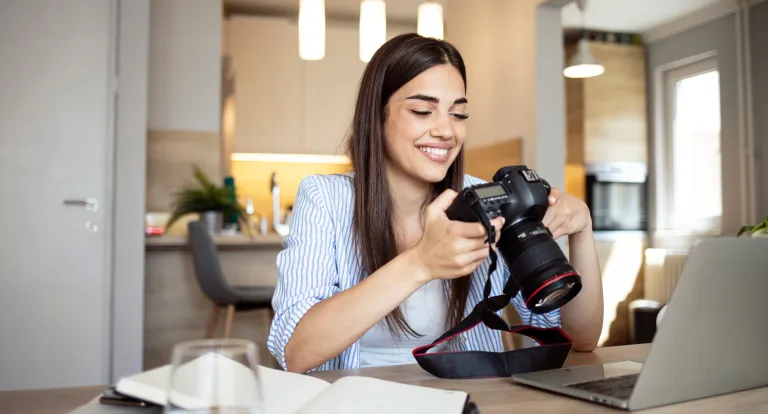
435 151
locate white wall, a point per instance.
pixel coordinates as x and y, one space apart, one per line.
130 180
759 32
513 53
718 36
496 40
185 65
283 103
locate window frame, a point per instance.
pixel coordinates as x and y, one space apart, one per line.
665 80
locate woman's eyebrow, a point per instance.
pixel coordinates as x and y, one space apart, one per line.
433 99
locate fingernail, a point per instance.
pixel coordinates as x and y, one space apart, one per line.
551 199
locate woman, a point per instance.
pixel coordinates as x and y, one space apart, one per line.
372 267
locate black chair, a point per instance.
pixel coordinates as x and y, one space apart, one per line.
215 286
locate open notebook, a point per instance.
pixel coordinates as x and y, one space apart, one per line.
290 393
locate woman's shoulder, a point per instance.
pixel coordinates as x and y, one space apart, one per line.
470 180
330 192
341 185
327 183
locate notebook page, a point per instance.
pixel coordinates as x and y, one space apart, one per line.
283 392
355 395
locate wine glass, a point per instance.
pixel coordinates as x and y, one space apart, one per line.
215 376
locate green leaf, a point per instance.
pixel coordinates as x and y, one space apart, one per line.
744 229
205 196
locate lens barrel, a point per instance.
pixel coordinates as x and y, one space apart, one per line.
535 261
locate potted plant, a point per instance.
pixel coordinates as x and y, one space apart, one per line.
758 230
209 201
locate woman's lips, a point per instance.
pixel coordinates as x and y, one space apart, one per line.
435 154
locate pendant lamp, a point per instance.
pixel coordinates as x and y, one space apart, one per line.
430 20
373 27
312 29
583 64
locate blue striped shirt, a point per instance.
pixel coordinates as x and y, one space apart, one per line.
320 259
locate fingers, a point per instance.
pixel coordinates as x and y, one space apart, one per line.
474 230
444 200
468 230
462 244
498 222
554 196
548 217
557 227
472 266
471 260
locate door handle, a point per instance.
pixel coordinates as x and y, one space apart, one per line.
90 204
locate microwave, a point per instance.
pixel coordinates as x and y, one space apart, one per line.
617 196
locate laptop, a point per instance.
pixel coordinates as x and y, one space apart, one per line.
711 340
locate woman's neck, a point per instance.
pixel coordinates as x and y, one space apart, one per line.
408 194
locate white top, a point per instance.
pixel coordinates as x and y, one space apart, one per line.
425 312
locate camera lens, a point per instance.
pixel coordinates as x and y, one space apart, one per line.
546 279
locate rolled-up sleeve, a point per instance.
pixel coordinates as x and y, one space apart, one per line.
546 320
307 270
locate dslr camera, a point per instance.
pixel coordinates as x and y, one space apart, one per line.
536 263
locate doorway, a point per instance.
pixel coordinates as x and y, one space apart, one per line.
57 139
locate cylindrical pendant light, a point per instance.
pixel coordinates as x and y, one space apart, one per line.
430 20
312 29
373 27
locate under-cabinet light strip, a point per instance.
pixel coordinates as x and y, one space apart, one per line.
297 158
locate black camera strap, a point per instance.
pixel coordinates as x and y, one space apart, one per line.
553 349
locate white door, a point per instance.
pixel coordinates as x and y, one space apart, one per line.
56 135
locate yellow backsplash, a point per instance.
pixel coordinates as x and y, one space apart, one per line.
252 180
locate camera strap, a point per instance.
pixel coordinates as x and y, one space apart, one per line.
553 349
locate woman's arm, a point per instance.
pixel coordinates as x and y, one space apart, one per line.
334 324
582 317
315 321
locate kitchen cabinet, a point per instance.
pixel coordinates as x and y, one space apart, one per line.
330 92
285 104
268 85
606 114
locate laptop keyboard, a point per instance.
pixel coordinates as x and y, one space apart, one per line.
617 387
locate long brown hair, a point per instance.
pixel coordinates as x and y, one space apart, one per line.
393 65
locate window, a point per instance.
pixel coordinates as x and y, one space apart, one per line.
692 182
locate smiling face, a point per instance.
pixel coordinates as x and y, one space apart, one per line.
425 125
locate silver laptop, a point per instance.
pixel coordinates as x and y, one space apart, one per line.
711 341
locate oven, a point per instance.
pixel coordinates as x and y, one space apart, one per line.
617 196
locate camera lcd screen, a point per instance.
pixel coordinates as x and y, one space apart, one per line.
490 191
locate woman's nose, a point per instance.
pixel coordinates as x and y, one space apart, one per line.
443 128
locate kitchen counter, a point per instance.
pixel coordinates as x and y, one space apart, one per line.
240 241
175 307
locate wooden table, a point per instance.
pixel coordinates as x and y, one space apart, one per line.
493 396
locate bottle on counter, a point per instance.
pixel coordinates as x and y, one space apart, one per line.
231 219
277 223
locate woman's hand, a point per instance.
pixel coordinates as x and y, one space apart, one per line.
566 214
449 249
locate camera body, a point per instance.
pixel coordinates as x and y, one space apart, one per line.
536 262
517 193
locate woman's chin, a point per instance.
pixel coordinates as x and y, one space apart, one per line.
432 174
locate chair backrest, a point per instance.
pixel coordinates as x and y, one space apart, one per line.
208 271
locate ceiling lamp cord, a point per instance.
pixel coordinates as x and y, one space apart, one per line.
583 64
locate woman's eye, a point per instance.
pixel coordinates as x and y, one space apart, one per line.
420 113
461 116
